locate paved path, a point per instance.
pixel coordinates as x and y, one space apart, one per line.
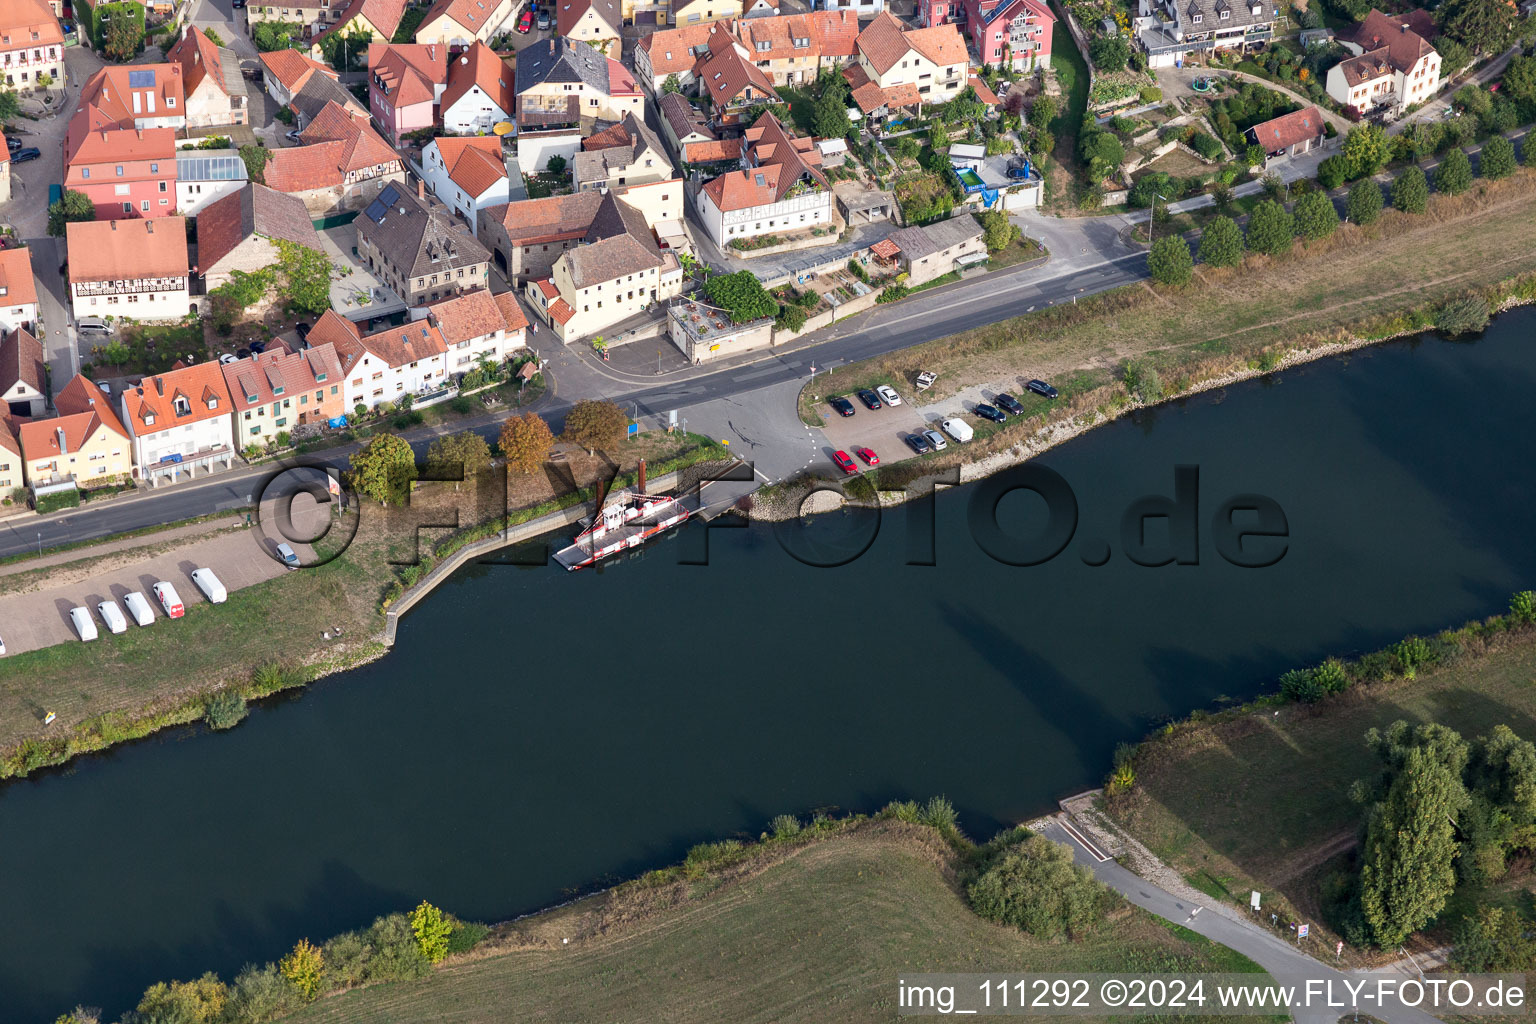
175 533
1283 960
1435 108
1184 76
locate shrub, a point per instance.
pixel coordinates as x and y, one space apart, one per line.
1299 685
893 293
1150 94
396 953
268 678
1109 53
304 968
1454 175
785 826
431 930
903 810
1170 262
1364 203
223 710
1206 146
47 503
791 318
1410 192
1462 316
1411 652
1221 244
466 935
262 993
940 814
1142 382
1034 886
1522 607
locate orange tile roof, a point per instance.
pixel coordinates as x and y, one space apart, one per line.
561 312
399 346
571 11
108 90
470 14
479 66
114 145
408 72
712 151
16 277
83 409
608 138
941 44
833 33
364 148
881 42
511 311
198 57
885 249
553 218
333 329
671 50
255 380
983 93
474 162
728 74
383 15
869 96
28 23
8 439
903 94
620 81
303 168
470 315
548 288
291 68
202 385
780 162
118 250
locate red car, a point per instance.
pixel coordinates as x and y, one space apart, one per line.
844 462
525 22
868 455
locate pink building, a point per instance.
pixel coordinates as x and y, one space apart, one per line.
405 84
127 172
1015 33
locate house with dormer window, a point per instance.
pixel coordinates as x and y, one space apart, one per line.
1170 30
1010 33
780 189
180 423
1393 66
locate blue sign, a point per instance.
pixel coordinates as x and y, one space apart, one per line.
634 428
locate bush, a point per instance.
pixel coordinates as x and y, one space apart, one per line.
1150 94
1221 244
1364 203
791 318
940 814
1270 229
1498 159
1410 192
1462 316
1315 215
1299 685
1333 172
1109 53
1034 886
1205 145
785 826
893 293
1522 607
1170 262
224 710
1142 382
46 503
1454 175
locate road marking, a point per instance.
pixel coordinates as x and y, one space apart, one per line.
1082 840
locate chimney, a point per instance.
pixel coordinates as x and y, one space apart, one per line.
60 432
113 223
421 190
159 384
149 226
641 482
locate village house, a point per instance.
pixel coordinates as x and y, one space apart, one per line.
284 73
900 68
1010 33
405 83
526 237
31 44
134 96
781 189
479 92
467 174
85 443
12 466
625 154
129 269
417 248
934 250
274 391
784 49
22 377
458 23
126 173
180 423
5 171
731 82
692 12
313 15
374 19
203 175
476 327
1171 30
211 79
674 52
242 232
1292 134
564 82
388 365
18 290
594 22
1394 67
340 165
605 281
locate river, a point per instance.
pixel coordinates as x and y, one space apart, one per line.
535 733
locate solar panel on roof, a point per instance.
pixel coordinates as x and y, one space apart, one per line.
141 79
376 210
389 196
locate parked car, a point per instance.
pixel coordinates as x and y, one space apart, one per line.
842 405
13 144
868 455
209 584
166 594
888 394
544 21
870 399
138 608
287 556
2 646
92 325
958 429
237 4
112 615
292 135
106 388
81 618
525 22
1009 404
226 359
21 156
257 347
1040 387
919 444
925 380
935 440
844 462
988 412
303 330
242 353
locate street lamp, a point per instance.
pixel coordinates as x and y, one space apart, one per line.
1152 221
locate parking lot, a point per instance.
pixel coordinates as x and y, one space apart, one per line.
881 430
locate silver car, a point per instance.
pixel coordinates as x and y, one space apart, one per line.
888 394
936 440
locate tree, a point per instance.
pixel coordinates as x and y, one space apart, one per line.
1109 53
1221 245
1520 78
1410 192
671 84
1042 112
595 424
1315 215
346 52
304 968
10 106
1466 315
72 206
1034 886
1367 148
1102 151
525 441
1498 159
831 112
255 158
1483 26
432 930
1492 941
184 1002
44 79
1364 203
125 34
384 468
791 318
213 37
307 277
742 294
1170 261
1454 175
1270 229
556 165
1333 172
997 231
464 452
115 353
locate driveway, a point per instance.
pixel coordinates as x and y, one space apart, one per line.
1176 82
1435 108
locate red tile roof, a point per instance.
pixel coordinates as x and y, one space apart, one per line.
479 66
833 33
728 75
16 280
474 162
561 312
292 69
1396 34
397 346
1289 129
471 14
781 159
303 168
671 50
364 148
114 146
983 93
198 58
28 23
548 288
712 151
471 315
552 219
866 94
202 385
885 249
333 329
571 11
254 380
109 92
21 359
118 250
409 72
83 409
608 138
383 15
335 143
620 81
511 311
884 42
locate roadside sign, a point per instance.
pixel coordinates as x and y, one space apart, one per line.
1301 931
1253 900
634 428
1338 950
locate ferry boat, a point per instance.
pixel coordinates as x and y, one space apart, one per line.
626 520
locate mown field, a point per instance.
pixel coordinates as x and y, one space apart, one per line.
1260 800
818 935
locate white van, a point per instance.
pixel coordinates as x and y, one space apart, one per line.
139 608
166 594
958 429
112 615
209 584
81 617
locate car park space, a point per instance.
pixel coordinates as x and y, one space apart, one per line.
882 430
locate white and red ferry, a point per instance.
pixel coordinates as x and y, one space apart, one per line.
627 519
